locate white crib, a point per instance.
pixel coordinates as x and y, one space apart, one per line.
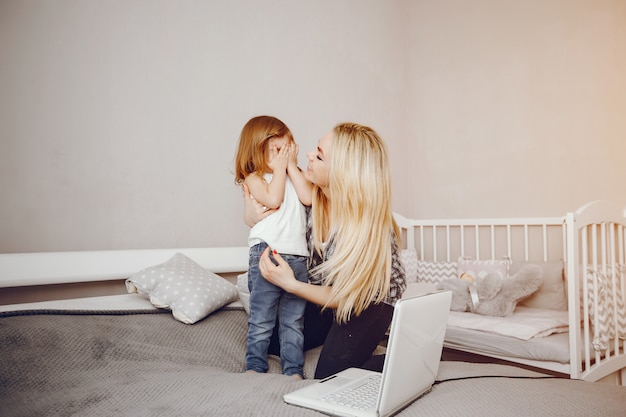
590 242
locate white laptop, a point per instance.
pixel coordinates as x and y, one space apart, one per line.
411 364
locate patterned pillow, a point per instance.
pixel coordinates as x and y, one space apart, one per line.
605 315
435 272
408 257
190 291
479 269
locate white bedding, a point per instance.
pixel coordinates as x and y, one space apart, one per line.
525 323
529 334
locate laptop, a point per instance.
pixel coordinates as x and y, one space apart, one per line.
411 364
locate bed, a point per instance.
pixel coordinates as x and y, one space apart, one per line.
574 324
145 363
144 351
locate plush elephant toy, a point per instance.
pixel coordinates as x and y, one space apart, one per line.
493 295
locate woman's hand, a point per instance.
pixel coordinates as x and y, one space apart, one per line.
253 211
280 275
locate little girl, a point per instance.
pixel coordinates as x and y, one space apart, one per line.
267 162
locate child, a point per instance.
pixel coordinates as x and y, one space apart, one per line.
266 162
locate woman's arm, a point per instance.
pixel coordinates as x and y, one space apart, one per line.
253 211
282 276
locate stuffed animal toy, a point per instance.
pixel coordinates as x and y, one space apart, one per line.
493 295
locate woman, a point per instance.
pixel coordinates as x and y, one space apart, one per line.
355 275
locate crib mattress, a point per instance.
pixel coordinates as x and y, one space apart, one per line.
553 348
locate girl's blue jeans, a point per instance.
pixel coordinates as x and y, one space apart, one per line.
272 306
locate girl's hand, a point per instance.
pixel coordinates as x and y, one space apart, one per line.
280 275
253 211
278 159
293 155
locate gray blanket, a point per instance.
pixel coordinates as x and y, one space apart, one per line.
60 364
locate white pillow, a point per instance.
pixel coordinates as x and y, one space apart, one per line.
479 269
190 291
244 291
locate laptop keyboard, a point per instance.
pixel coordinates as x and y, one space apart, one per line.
361 397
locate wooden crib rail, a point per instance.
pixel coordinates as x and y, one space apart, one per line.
597 289
522 239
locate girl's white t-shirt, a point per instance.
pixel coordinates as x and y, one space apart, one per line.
284 230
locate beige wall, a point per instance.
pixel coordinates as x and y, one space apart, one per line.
119 119
516 108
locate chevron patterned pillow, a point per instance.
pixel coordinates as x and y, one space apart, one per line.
408 257
607 314
435 272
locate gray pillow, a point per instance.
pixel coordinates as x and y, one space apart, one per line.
180 284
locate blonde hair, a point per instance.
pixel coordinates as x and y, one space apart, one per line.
251 151
357 217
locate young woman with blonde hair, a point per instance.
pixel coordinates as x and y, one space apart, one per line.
355 275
